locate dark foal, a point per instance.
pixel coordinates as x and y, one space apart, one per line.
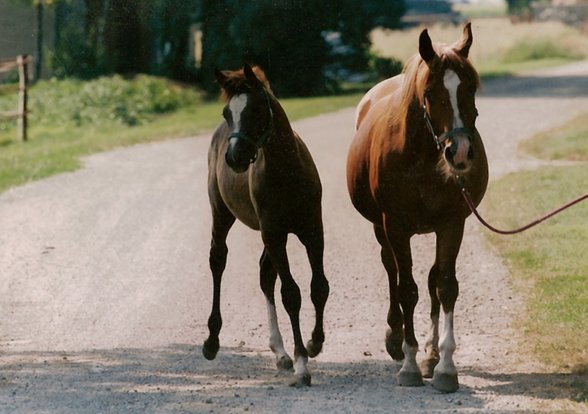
261 173
415 139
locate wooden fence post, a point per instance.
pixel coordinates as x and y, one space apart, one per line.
23 77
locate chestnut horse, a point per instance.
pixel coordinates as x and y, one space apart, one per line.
260 172
416 143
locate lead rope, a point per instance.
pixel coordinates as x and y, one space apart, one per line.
472 206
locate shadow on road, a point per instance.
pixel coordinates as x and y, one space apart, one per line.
177 379
536 87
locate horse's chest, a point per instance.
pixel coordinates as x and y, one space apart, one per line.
420 206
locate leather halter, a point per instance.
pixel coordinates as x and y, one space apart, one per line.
439 140
265 136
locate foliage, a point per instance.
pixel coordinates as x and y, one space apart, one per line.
384 68
287 38
518 7
124 36
104 100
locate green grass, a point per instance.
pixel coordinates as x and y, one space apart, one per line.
551 259
72 119
566 142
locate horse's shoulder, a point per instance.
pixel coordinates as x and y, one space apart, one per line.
382 90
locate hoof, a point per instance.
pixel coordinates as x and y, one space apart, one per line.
314 348
300 381
445 382
410 379
427 367
394 345
210 349
284 363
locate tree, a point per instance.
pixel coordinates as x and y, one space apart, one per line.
287 37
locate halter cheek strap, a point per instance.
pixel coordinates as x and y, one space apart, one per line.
439 140
265 136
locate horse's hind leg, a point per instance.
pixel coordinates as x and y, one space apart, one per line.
268 276
222 222
275 244
448 244
319 289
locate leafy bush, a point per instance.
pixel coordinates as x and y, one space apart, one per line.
107 99
384 68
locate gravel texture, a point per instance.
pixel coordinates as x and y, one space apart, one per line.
106 290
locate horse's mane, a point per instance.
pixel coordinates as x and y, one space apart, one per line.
416 73
237 82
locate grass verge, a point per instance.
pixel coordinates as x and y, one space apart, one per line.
551 259
566 142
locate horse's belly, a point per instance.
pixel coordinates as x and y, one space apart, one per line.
238 201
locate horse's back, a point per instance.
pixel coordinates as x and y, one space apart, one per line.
376 93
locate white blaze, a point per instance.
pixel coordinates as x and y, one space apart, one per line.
237 104
451 82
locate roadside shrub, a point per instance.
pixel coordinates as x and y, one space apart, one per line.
384 67
108 99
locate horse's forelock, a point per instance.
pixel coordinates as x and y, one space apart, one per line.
237 83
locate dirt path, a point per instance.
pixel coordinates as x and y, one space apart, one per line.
106 289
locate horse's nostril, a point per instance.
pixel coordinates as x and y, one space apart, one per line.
471 154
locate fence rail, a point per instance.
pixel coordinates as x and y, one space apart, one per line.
20 63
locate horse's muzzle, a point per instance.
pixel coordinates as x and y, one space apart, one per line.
240 154
458 149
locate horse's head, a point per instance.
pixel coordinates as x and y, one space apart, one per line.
248 114
448 99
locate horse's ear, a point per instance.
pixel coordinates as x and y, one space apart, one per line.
463 47
220 77
426 49
250 75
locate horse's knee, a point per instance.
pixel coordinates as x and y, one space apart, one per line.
408 293
447 291
291 297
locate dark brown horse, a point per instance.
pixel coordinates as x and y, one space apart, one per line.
260 172
415 141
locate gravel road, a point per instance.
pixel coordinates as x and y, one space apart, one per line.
106 289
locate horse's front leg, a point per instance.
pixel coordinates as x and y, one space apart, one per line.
268 275
319 286
395 333
432 345
409 374
275 244
448 244
222 222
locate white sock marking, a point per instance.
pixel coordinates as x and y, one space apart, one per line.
276 344
447 347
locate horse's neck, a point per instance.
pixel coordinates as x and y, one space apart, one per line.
282 142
